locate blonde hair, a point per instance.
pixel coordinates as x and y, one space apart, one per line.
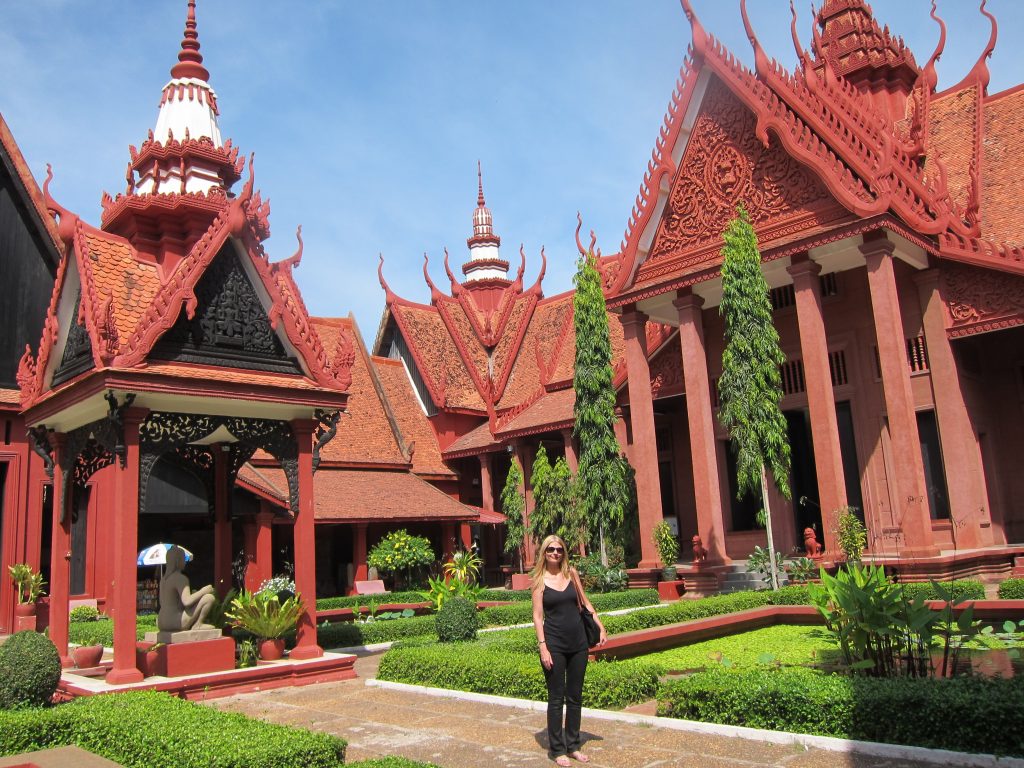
537 574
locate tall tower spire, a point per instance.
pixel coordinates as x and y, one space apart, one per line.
190 60
485 262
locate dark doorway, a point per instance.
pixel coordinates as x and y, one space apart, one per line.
79 539
743 511
803 472
46 533
934 471
848 449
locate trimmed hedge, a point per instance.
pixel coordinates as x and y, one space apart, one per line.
510 666
29 670
963 589
685 610
522 612
350 601
965 714
101 631
1012 589
144 729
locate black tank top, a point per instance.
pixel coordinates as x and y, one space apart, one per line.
563 626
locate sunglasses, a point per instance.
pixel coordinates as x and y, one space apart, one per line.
554 550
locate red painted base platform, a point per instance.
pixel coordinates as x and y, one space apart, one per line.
182 659
265 676
670 591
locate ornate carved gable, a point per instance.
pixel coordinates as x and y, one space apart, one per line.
981 300
230 325
667 371
77 356
724 165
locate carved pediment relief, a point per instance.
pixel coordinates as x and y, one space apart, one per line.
724 165
981 300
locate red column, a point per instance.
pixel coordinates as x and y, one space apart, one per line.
828 458
486 483
126 547
447 541
360 569
60 554
465 536
222 521
703 447
644 455
907 485
305 544
261 549
524 454
570 451
968 497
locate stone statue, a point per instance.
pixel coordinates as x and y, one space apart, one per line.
700 553
180 607
811 545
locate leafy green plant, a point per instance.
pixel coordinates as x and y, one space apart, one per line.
264 615
464 566
666 544
28 583
248 654
82 613
218 611
1011 589
456 620
29 670
513 506
851 534
801 570
760 562
401 553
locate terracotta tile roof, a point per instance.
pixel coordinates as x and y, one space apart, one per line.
1002 185
479 437
437 356
951 135
490 516
365 434
10 396
353 494
116 274
270 481
412 421
549 328
232 375
554 408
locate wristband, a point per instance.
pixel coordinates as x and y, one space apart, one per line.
541 642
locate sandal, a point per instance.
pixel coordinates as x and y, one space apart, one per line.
579 757
563 760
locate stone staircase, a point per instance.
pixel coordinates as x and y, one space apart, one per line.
737 579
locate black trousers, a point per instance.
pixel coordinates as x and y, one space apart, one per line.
565 690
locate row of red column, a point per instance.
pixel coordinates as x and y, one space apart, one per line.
907 489
122 594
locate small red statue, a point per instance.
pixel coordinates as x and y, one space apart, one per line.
811 545
699 553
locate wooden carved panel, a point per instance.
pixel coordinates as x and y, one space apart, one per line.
981 300
725 165
667 371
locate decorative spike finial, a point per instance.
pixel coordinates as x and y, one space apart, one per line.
190 60
480 186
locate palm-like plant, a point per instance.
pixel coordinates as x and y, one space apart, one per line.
464 566
264 615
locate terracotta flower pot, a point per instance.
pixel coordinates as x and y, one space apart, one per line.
25 609
87 656
146 658
271 649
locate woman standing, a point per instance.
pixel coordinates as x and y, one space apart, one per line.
563 645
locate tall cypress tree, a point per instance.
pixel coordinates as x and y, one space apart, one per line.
600 479
513 505
554 502
750 387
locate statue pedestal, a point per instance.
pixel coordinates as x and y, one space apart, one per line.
197 657
184 636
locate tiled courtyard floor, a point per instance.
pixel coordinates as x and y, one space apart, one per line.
463 734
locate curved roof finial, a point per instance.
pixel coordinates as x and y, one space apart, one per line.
537 286
760 57
700 37
435 293
190 60
929 77
389 295
456 287
804 60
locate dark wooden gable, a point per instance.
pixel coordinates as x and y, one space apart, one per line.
230 327
77 356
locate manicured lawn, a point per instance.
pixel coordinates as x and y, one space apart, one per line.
785 645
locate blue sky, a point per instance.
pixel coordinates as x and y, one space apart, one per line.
368 118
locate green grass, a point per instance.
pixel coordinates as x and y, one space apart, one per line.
786 645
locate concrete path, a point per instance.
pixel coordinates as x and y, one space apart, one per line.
455 733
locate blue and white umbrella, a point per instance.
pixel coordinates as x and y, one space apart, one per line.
157 554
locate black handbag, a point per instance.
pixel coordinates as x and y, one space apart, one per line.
590 627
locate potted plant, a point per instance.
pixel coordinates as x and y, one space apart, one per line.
28 587
147 657
668 550
87 656
264 615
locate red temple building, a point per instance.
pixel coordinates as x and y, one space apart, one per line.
175 388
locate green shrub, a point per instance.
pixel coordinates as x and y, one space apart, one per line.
456 620
794 594
968 714
522 613
685 610
83 613
101 631
29 670
347 635
263 614
1012 589
506 594
388 598
851 534
144 729
509 666
963 589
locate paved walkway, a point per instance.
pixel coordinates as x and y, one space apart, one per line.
455 733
